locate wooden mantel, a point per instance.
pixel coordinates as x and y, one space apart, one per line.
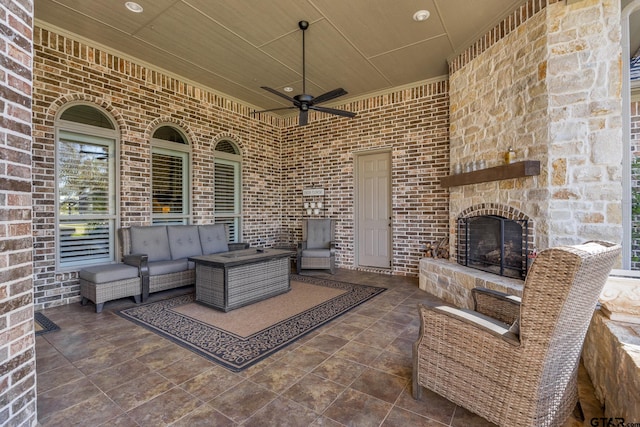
497 173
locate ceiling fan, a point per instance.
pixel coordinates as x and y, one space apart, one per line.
305 102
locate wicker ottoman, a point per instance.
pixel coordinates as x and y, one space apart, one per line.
101 283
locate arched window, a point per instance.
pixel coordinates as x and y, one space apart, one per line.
86 193
228 187
170 176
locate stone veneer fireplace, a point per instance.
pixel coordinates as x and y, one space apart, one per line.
494 244
545 115
450 280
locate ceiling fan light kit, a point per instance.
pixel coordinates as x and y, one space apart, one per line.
305 102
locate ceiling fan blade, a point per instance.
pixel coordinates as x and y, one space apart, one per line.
304 117
329 95
342 113
272 109
282 95
304 101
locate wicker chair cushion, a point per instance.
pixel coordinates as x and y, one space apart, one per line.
316 253
213 238
184 241
165 267
318 233
151 240
108 273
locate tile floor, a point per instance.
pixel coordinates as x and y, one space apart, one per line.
100 369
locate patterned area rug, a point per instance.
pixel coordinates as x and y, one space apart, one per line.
229 346
43 324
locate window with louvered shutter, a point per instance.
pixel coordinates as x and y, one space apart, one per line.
86 208
228 188
226 198
170 184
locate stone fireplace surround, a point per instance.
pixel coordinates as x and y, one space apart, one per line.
495 209
452 282
493 243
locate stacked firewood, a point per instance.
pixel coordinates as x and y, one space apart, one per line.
437 249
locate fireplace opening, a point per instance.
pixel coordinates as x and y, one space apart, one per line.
494 244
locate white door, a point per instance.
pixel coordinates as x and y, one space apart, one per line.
373 195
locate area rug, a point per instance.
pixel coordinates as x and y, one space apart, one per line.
242 337
43 324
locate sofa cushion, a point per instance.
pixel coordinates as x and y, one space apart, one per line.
184 241
152 241
105 273
157 268
213 238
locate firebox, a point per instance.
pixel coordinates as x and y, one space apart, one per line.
494 244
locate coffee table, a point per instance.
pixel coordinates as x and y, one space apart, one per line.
237 278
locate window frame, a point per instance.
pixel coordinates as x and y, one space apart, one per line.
235 160
627 240
630 93
177 149
88 132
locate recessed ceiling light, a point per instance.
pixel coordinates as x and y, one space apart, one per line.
288 89
133 7
421 15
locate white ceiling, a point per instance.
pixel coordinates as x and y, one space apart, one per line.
236 46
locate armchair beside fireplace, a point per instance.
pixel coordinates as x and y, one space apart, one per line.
520 369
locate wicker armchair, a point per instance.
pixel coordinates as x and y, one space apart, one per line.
317 251
521 368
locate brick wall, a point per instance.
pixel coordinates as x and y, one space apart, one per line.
139 98
17 343
412 123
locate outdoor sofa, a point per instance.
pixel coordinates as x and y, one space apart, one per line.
154 259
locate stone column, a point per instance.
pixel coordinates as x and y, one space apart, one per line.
583 78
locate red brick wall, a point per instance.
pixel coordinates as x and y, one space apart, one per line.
412 123
17 341
138 99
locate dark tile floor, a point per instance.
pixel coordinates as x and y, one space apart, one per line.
100 369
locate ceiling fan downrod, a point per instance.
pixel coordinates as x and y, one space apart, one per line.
305 102
303 25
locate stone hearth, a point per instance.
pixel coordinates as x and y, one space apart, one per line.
453 282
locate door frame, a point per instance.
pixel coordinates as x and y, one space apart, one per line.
357 155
